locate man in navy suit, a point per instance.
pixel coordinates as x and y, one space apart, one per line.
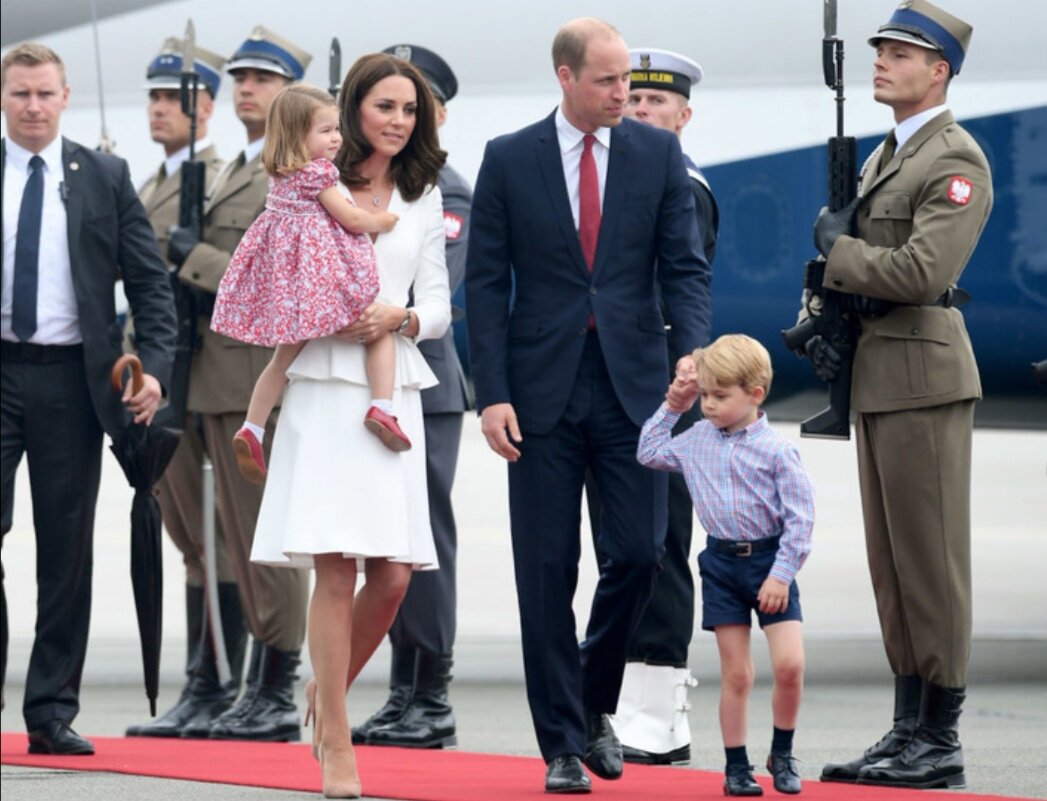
73 224
577 222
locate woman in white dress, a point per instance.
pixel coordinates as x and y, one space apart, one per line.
335 498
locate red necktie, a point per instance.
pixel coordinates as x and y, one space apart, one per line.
588 201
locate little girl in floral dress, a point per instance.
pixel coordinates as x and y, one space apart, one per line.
305 268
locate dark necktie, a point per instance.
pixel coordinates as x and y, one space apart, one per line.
588 201
27 253
888 151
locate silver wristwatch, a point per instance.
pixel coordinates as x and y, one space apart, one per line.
402 328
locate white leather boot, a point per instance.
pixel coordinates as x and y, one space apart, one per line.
651 720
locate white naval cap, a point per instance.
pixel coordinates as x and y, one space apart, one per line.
662 69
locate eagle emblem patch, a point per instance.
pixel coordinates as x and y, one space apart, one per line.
452 225
959 190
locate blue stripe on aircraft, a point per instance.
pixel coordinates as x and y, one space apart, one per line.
768 205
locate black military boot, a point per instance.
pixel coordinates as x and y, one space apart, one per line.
267 711
907 693
237 708
933 758
401 687
203 698
429 719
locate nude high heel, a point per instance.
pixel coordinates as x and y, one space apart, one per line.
312 717
338 773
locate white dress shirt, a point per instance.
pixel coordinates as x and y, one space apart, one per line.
174 162
57 317
571 146
904 130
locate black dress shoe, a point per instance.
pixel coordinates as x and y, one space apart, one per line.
637 756
57 737
603 753
738 780
783 769
564 774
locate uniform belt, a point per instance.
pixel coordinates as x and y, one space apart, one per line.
31 353
742 547
953 296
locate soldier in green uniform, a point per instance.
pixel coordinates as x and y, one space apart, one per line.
203 697
222 376
925 196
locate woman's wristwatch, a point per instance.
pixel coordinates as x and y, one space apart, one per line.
402 328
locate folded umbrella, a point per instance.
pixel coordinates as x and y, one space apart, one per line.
144 453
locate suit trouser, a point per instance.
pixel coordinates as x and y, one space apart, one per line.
274 600
47 414
914 467
667 626
427 616
564 681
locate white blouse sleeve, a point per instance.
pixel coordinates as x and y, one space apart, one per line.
432 294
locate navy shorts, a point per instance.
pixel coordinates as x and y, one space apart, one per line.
731 582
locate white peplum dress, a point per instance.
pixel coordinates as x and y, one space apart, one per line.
333 487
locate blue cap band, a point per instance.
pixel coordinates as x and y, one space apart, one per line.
270 52
170 64
913 22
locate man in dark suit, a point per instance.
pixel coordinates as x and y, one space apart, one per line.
418 712
72 225
578 218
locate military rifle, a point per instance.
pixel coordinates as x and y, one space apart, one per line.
334 68
826 309
190 215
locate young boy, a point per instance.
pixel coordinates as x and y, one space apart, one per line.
755 502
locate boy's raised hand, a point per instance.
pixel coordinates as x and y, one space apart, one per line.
773 596
684 389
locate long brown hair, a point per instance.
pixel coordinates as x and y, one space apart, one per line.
287 126
415 167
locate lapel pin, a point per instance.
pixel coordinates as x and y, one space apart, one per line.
74 165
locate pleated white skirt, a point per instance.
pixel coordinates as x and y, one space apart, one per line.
333 487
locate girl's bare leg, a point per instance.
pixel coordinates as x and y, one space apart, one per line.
380 364
270 384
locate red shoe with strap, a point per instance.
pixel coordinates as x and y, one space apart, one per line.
385 427
249 456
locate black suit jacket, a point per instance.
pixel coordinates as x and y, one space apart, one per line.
110 237
523 245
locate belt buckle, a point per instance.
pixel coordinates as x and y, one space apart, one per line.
743 549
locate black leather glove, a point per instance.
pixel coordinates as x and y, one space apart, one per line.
181 244
823 358
831 224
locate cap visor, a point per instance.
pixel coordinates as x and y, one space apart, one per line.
164 82
901 36
257 64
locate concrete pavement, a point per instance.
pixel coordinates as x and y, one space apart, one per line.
848 701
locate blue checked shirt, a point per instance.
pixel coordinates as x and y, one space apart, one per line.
748 485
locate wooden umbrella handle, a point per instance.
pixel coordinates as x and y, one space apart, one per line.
116 375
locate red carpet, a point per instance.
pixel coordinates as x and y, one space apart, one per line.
408 774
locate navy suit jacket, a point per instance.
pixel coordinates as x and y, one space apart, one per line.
110 238
530 293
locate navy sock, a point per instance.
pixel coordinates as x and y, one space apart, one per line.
782 741
737 756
